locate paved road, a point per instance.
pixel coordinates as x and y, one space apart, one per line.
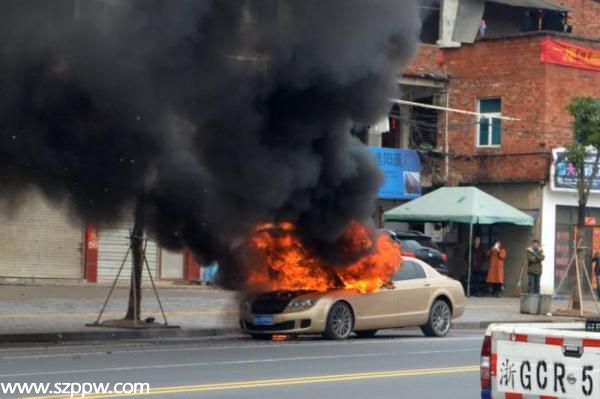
401 364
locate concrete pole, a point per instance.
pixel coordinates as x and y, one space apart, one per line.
470 257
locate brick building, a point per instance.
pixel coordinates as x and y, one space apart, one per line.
498 70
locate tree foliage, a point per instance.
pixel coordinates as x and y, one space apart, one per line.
583 153
586 128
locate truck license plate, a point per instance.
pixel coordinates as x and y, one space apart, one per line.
542 369
263 320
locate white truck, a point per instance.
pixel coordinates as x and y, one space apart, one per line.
546 361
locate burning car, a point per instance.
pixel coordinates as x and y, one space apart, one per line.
372 294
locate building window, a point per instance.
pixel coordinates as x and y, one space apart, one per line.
489 126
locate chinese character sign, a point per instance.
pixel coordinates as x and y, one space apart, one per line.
571 55
402 170
564 174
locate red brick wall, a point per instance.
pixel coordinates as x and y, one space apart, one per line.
535 93
427 62
561 84
584 16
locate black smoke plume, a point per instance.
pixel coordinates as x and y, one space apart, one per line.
217 115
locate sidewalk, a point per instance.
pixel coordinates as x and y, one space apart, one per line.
54 313
483 311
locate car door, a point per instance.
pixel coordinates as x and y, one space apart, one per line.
375 310
412 293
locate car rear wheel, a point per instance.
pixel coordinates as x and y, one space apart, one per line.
339 322
262 337
366 333
440 317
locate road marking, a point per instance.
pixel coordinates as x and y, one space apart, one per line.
233 362
289 381
256 345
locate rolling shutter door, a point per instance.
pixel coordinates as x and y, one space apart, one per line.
37 240
171 265
113 243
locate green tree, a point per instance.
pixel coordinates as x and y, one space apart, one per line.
583 153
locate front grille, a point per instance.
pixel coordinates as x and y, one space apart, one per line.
274 302
286 325
269 306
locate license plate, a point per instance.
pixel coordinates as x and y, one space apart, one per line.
263 320
542 369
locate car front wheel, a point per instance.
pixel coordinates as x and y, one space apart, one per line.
440 317
339 322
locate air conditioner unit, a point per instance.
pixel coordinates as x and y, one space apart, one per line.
442 233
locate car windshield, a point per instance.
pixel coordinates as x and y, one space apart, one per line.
410 245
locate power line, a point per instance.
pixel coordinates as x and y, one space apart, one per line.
447 109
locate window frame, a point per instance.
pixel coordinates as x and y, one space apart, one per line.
490 116
415 268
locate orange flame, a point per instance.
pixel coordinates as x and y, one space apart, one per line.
285 263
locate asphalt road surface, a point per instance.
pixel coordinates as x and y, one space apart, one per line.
399 364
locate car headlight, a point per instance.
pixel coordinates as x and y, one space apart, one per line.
246 305
301 304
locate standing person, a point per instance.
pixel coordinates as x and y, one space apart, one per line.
495 275
596 271
481 30
528 22
477 260
535 256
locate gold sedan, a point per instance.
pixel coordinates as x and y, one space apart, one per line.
417 296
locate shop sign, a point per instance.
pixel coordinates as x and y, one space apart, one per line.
590 221
563 175
402 170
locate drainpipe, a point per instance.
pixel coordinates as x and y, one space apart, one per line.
446 144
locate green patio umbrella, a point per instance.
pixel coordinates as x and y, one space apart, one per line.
460 205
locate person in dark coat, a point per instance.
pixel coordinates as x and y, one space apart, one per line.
528 23
535 256
478 255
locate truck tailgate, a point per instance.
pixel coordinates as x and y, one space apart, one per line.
535 362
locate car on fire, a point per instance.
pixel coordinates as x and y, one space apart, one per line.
417 295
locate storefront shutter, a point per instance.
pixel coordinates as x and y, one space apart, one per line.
113 242
38 240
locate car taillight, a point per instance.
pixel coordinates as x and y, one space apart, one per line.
408 253
485 366
445 257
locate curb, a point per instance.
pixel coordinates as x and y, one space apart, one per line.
83 336
100 334
482 325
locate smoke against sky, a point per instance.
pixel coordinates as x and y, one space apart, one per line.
216 117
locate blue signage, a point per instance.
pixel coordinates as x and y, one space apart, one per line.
402 170
564 174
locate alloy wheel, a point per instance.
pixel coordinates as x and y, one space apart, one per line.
441 317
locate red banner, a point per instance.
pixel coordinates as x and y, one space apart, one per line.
567 54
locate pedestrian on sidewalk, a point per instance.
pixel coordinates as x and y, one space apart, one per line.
478 255
596 271
495 275
535 256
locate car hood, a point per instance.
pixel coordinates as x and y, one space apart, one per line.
288 296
